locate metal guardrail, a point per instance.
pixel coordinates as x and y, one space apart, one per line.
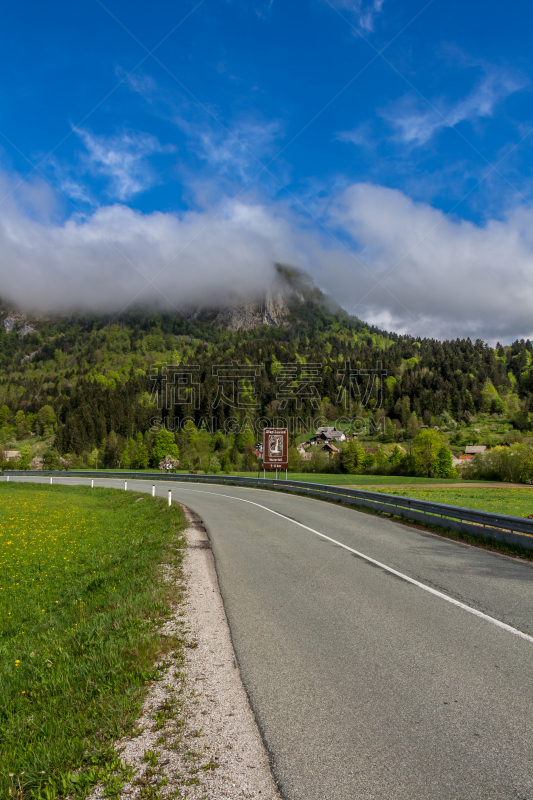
501 527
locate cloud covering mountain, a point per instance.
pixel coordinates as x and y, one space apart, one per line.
391 261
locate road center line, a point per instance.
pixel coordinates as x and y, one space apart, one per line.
441 595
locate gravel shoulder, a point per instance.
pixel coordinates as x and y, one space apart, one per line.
197 736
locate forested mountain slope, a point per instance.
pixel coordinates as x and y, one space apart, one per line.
96 376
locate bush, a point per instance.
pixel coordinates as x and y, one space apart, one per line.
168 463
351 458
214 465
510 464
52 460
320 462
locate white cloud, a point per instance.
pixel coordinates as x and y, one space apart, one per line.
362 136
74 189
416 126
237 151
365 11
440 277
139 82
122 159
234 149
404 265
106 260
263 8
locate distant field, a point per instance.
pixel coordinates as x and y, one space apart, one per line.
500 500
80 599
351 480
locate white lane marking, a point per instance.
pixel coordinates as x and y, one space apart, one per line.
503 625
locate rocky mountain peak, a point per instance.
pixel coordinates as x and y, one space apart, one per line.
272 309
12 318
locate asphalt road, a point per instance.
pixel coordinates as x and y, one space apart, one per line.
367 686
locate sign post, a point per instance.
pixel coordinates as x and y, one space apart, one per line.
276 449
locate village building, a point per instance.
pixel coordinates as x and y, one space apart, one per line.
331 449
331 433
328 433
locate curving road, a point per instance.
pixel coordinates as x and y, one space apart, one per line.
382 662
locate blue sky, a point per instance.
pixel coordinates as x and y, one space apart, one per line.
178 149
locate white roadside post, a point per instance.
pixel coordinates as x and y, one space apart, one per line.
92 484
170 497
125 486
8 477
50 480
153 489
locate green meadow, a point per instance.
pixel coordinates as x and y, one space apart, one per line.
81 600
498 500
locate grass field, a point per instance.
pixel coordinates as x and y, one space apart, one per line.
81 600
339 479
499 500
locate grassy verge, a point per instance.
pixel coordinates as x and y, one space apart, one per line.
497 500
82 597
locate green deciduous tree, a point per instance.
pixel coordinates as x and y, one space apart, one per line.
218 441
214 465
395 458
490 398
191 432
388 430
51 460
128 453
46 420
245 437
351 457
426 445
25 458
405 410
412 427
141 458
368 461
443 463
164 445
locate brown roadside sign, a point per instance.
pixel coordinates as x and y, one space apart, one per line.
275 448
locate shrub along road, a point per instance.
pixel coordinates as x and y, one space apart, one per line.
366 684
